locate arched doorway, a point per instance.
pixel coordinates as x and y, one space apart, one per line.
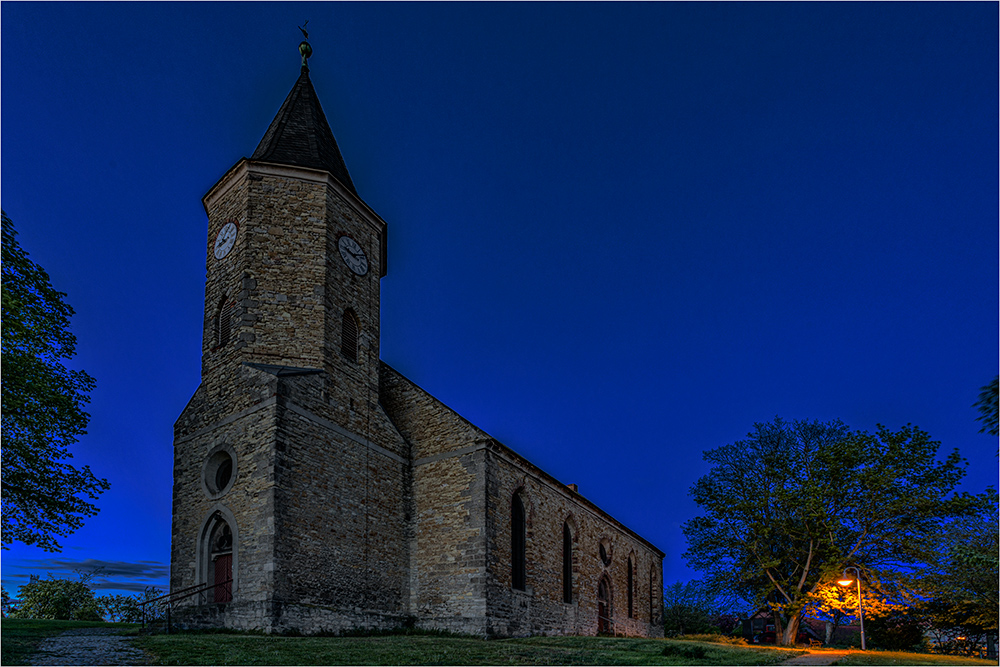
220 566
604 606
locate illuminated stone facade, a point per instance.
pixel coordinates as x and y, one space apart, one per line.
318 490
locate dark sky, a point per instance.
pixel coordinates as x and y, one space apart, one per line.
619 234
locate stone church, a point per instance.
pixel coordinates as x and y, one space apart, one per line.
316 489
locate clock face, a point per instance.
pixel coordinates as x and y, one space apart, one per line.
225 240
353 255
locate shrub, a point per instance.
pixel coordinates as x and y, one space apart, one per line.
58 599
120 608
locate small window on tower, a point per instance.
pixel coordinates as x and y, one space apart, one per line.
349 335
224 321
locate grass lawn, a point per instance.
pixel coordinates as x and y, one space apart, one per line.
21 635
231 649
904 658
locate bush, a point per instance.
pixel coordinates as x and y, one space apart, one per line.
120 608
58 599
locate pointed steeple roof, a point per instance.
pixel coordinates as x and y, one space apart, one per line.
300 135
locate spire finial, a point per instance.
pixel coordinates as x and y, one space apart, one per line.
304 47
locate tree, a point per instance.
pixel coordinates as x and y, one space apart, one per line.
59 599
120 608
989 407
962 579
792 505
835 604
899 630
42 407
6 603
687 609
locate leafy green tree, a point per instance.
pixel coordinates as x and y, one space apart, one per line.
901 629
836 604
989 407
120 608
962 579
6 604
59 599
153 610
42 408
687 609
793 504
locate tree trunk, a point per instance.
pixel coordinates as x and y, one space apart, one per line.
791 630
829 632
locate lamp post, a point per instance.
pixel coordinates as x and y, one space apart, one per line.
861 612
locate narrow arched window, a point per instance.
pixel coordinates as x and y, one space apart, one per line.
652 587
631 589
223 323
349 335
517 540
567 563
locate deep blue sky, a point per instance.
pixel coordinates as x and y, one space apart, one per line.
619 234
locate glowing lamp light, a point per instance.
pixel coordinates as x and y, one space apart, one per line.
845 582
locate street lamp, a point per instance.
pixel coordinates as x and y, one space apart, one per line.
861 613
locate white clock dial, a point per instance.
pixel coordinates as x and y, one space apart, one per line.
225 240
353 255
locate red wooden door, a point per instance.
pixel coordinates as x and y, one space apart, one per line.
603 608
223 591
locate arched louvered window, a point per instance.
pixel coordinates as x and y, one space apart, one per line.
567 563
517 543
224 321
349 335
631 590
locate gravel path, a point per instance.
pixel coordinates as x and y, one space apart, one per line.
88 646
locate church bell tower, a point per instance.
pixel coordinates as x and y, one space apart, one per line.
294 257
290 482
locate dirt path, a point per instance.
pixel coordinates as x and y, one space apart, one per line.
816 658
88 646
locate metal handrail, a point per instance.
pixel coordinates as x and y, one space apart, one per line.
176 595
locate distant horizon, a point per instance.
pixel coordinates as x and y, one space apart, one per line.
619 233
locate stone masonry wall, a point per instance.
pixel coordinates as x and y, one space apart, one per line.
448 553
342 557
540 608
463 482
248 503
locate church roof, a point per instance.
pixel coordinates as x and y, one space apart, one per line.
300 135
